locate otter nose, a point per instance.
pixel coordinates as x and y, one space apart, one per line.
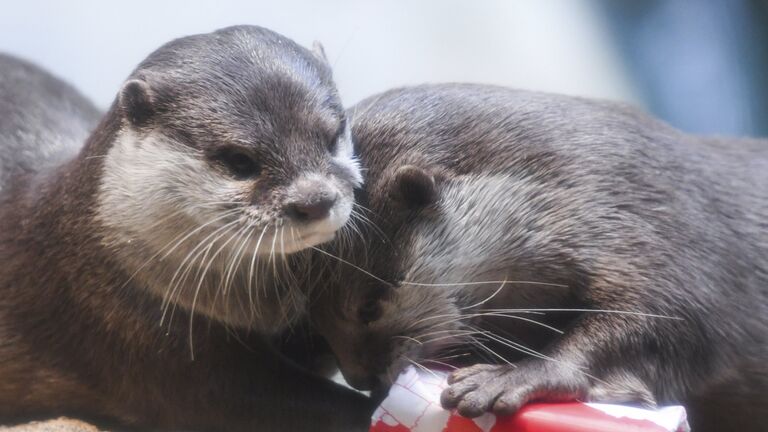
310 210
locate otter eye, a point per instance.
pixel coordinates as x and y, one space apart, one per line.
239 163
370 311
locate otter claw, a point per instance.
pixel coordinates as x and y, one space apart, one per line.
504 389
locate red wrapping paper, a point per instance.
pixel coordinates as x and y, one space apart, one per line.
413 405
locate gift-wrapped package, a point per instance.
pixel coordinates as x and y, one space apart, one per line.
413 405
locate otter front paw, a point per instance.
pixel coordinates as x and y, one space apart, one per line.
504 389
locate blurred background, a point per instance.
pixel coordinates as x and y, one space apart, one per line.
699 65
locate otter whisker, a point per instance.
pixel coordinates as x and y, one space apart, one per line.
370 223
412 339
276 282
489 298
224 269
197 292
230 269
490 351
239 254
440 363
350 264
184 234
239 273
514 345
452 317
452 331
193 254
424 368
290 281
220 271
351 225
301 254
464 354
362 207
205 248
348 242
457 335
504 315
609 311
483 283
522 348
203 255
286 272
198 229
462 343
251 275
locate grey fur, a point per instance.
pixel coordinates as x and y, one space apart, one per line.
574 203
238 124
243 88
42 120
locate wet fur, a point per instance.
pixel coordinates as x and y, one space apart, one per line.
85 328
608 208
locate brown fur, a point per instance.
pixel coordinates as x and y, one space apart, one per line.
80 336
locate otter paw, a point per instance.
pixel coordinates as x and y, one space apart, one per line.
504 389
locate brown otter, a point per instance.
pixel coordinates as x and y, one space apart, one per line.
146 276
640 254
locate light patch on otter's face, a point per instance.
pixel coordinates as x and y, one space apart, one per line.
158 191
165 205
154 189
345 158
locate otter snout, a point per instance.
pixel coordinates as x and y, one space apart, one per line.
311 200
311 210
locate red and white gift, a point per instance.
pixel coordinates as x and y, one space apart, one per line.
413 405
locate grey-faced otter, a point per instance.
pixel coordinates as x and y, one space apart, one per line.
496 208
146 274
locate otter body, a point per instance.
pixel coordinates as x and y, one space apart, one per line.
146 271
640 252
42 119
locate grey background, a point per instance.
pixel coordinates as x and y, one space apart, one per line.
554 45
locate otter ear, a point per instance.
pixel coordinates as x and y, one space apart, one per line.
413 187
319 51
137 102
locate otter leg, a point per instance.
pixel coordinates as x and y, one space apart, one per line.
595 361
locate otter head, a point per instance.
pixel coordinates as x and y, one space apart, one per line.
454 259
482 204
233 153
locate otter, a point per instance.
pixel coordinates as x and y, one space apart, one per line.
573 248
153 261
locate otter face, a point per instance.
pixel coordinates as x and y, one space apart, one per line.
233 149
455 258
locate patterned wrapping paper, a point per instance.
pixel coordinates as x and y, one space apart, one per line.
413 405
